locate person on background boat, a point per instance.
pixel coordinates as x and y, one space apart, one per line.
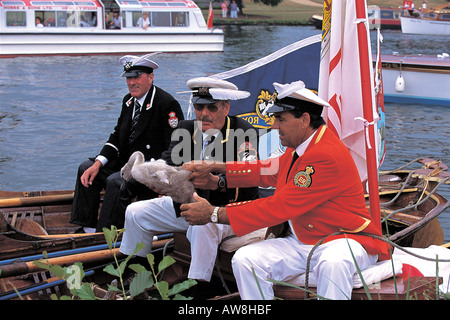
116 21
144 21
146 122
318 195
228 137
38 22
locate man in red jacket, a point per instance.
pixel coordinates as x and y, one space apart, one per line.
318 196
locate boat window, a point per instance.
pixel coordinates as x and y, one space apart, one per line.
445 16
13 3
176 4
45 18
431 15
180 19
73 19
387 14
61 18
161 19
129 2
85 4
131 18
154 4
41 3
16 19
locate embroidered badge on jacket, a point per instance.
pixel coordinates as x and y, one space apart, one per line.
173 119
303 178
129 102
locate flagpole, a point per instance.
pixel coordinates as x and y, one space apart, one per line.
366 85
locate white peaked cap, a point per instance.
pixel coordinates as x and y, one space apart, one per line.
206 90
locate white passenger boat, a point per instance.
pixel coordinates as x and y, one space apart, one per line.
79 27
422 79
427 22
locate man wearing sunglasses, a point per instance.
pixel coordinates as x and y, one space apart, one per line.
213 136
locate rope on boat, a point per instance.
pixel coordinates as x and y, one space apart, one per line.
403 186
417 203
308 260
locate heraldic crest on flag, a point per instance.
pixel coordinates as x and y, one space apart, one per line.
299 60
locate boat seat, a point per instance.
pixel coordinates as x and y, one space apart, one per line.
383 285
416 288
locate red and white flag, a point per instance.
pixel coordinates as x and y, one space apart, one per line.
210 16
340 80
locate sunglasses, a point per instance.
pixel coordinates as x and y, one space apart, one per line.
211 107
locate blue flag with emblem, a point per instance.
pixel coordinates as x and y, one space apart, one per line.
297 61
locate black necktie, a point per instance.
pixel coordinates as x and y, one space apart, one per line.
137 112
294 158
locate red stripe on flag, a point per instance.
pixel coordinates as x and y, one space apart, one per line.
335 61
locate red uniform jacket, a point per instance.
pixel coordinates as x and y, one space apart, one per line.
322 195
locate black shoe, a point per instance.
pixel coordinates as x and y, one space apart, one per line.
80 230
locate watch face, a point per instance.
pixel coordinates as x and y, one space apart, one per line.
214 218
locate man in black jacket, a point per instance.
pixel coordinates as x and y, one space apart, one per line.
214 136
148 117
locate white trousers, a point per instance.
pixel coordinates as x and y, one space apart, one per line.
144 218
283 259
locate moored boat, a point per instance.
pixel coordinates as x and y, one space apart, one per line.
104 27
427 22
379 17
384 17
416 79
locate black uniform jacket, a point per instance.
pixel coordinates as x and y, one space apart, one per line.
233 145
159 116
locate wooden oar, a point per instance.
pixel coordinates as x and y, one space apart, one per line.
38 200
15 269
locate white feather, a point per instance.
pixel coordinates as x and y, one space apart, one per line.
145 57
284 90
227 94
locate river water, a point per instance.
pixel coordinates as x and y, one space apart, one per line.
57 111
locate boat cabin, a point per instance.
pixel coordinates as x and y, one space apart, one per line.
65 15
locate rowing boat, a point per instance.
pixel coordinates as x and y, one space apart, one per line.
33 222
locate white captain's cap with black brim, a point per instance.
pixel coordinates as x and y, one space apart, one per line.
133 66
294 95
206 90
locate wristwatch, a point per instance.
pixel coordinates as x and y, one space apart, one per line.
214 215
222 183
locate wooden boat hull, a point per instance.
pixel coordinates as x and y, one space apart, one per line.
49 229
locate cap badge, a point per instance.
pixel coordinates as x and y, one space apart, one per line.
303 178
128 65
203 91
